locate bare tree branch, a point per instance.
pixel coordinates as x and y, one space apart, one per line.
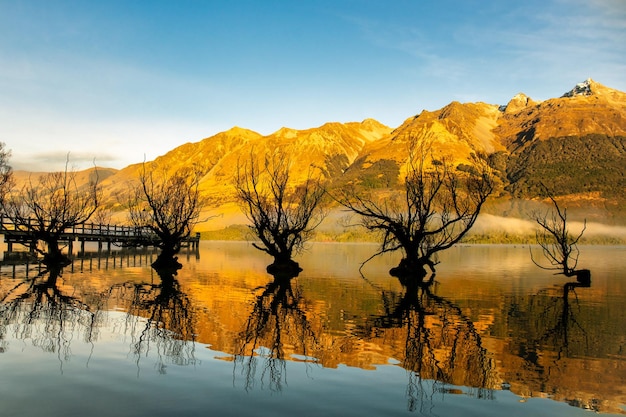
435 211
6 173
282 216
168 205
558 246
49 206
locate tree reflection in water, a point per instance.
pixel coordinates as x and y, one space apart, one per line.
277 320
441 344
159 316
556 347
564 317
40 310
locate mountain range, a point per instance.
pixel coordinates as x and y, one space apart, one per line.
575 144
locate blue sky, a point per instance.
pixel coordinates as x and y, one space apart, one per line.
116 81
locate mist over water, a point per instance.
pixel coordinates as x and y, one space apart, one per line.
489 224
599 229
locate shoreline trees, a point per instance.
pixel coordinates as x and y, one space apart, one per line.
6 173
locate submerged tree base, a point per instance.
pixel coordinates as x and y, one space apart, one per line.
413 271
284 268
583 276
166 263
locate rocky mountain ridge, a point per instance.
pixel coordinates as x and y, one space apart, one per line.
576 142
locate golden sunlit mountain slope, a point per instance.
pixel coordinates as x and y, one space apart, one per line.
331 148
458 129
81 178
589 108
576 144
453 132
204 155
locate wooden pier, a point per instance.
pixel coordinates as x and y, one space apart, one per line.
102 234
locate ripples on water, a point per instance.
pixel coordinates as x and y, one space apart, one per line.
494 335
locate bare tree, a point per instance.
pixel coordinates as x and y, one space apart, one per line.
102 215
168 206
6 172
558 245
438 207
283 217
45 209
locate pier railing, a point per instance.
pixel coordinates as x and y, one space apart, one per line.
127 236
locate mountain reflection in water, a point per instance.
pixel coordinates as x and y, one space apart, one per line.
491 322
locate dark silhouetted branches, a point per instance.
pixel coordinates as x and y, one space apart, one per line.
167 206
6 172
38 309
276 323
47 207
438 207
559 247
160 317
441 343
282 215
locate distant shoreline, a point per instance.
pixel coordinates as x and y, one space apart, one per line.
240 232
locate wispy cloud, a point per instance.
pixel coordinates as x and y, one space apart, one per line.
576 39
540 46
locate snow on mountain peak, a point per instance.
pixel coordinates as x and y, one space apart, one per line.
581 89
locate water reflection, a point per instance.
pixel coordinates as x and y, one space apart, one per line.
441 344
276 320
560 350
474 331
160 317
563 320
50 313
41 310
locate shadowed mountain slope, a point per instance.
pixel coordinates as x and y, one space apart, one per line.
574 144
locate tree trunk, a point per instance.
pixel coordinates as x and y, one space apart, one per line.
284 264
54 256
166 263
410 271
167 259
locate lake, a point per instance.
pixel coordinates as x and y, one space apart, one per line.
494 335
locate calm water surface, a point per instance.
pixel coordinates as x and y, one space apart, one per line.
495 335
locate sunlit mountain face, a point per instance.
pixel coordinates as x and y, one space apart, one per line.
575 144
